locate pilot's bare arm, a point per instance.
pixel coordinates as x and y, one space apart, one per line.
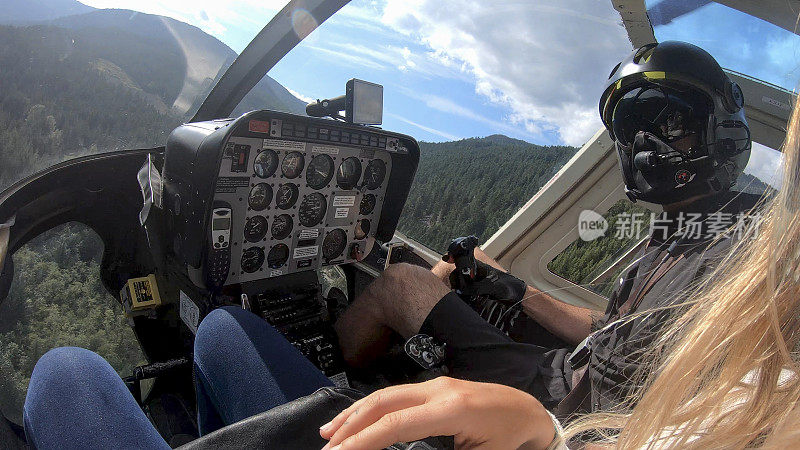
568 322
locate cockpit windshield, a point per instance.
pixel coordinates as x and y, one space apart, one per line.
739 41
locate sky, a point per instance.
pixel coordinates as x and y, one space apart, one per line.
450 70
532 70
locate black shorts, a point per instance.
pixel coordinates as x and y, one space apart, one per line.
478 351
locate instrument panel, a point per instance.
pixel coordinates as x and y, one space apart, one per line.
298 205
269 193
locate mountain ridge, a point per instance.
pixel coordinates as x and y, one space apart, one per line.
204 57
17 12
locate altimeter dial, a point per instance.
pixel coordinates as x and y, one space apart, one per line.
313 209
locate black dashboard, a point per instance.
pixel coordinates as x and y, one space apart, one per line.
270 194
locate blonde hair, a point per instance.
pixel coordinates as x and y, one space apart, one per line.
721 378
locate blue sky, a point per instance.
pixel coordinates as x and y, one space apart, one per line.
530 70
462 68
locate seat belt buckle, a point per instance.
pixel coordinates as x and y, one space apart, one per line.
580 356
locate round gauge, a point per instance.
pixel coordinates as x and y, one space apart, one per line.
278 256
286 196
252 259
320 171
266 163
362 228
260 197
292 164
333 244
282 226
374 174
349 172
313 209
367 204
255 228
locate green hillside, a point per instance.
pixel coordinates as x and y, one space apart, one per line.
473 186
59 101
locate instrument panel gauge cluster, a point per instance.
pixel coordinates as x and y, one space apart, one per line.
300 205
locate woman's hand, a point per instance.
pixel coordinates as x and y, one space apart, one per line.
478 415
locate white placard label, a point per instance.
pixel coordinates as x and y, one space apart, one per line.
278 144
189 312
305 252
344 200
276 273
325 150
309 234
341 213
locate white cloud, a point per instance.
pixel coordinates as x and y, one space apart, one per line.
443 134
302 97
546 60
385 57
446 105
765 164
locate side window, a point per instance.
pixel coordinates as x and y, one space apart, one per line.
596 260
762 175
57 299
607 244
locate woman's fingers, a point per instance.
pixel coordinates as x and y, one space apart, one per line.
375 407
369 409
405 425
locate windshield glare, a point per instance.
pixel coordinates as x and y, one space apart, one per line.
739 41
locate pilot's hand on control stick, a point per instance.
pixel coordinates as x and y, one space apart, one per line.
478 415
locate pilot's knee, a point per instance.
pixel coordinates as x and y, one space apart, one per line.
402 274
410 283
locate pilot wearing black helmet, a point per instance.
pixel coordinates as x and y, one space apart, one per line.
682 141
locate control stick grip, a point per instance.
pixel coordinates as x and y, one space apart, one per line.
461 252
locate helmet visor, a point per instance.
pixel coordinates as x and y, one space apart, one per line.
670 114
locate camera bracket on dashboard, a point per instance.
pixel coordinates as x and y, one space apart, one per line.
362 104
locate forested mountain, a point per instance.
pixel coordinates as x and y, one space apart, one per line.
473 186
27 11
200 59
752 185
106 80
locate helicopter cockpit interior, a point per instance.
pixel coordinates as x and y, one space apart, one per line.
260 209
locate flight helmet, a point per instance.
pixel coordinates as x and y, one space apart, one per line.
678 123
